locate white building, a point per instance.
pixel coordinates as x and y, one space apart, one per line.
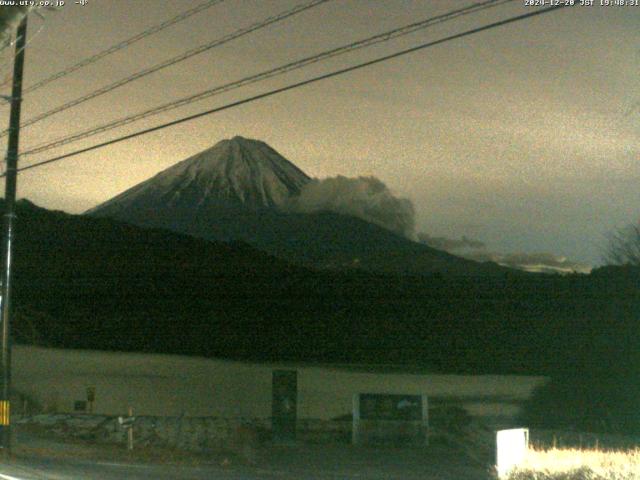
167 385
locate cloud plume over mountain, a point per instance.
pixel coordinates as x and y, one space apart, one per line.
367 198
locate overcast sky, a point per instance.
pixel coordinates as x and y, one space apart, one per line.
525 137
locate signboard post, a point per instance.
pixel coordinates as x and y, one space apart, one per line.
91 397
127 424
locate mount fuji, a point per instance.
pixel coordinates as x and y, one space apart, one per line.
234 175
236 191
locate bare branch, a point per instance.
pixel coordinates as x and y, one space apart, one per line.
624 246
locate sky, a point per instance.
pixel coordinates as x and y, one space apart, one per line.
524 138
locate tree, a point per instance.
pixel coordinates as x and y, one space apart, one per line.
624 246
9 19
605 402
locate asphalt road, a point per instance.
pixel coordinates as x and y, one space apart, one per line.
285 465
49 459
70 470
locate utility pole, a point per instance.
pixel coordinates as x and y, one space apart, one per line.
7 250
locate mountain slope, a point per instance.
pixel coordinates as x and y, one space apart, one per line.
233 191
81 282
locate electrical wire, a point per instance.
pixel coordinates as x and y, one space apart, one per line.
172 61
295 85
124 44
379 38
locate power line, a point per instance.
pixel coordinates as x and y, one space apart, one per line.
293 86
172 61
379 38
124 44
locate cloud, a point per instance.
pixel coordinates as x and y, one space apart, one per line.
370 199
366 198
531 262
450 244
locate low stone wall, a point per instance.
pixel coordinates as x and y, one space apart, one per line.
197 434
201 434
324 431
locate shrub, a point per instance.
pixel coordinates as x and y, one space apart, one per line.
588 403
574 464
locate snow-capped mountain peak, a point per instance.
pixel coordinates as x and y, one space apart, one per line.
236 173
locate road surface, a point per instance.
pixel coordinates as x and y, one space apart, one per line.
319 462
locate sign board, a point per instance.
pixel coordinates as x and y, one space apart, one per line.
511 449
390 407
390 418
126 422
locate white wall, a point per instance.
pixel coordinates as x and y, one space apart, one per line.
174 385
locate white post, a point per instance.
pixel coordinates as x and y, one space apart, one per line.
130 432
425 418
355 429
511 449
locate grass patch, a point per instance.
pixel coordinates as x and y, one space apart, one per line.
578 464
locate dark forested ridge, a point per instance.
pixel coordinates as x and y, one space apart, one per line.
96 283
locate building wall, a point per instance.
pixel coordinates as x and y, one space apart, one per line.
169 385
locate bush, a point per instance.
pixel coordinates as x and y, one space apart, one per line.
573 464
588 403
